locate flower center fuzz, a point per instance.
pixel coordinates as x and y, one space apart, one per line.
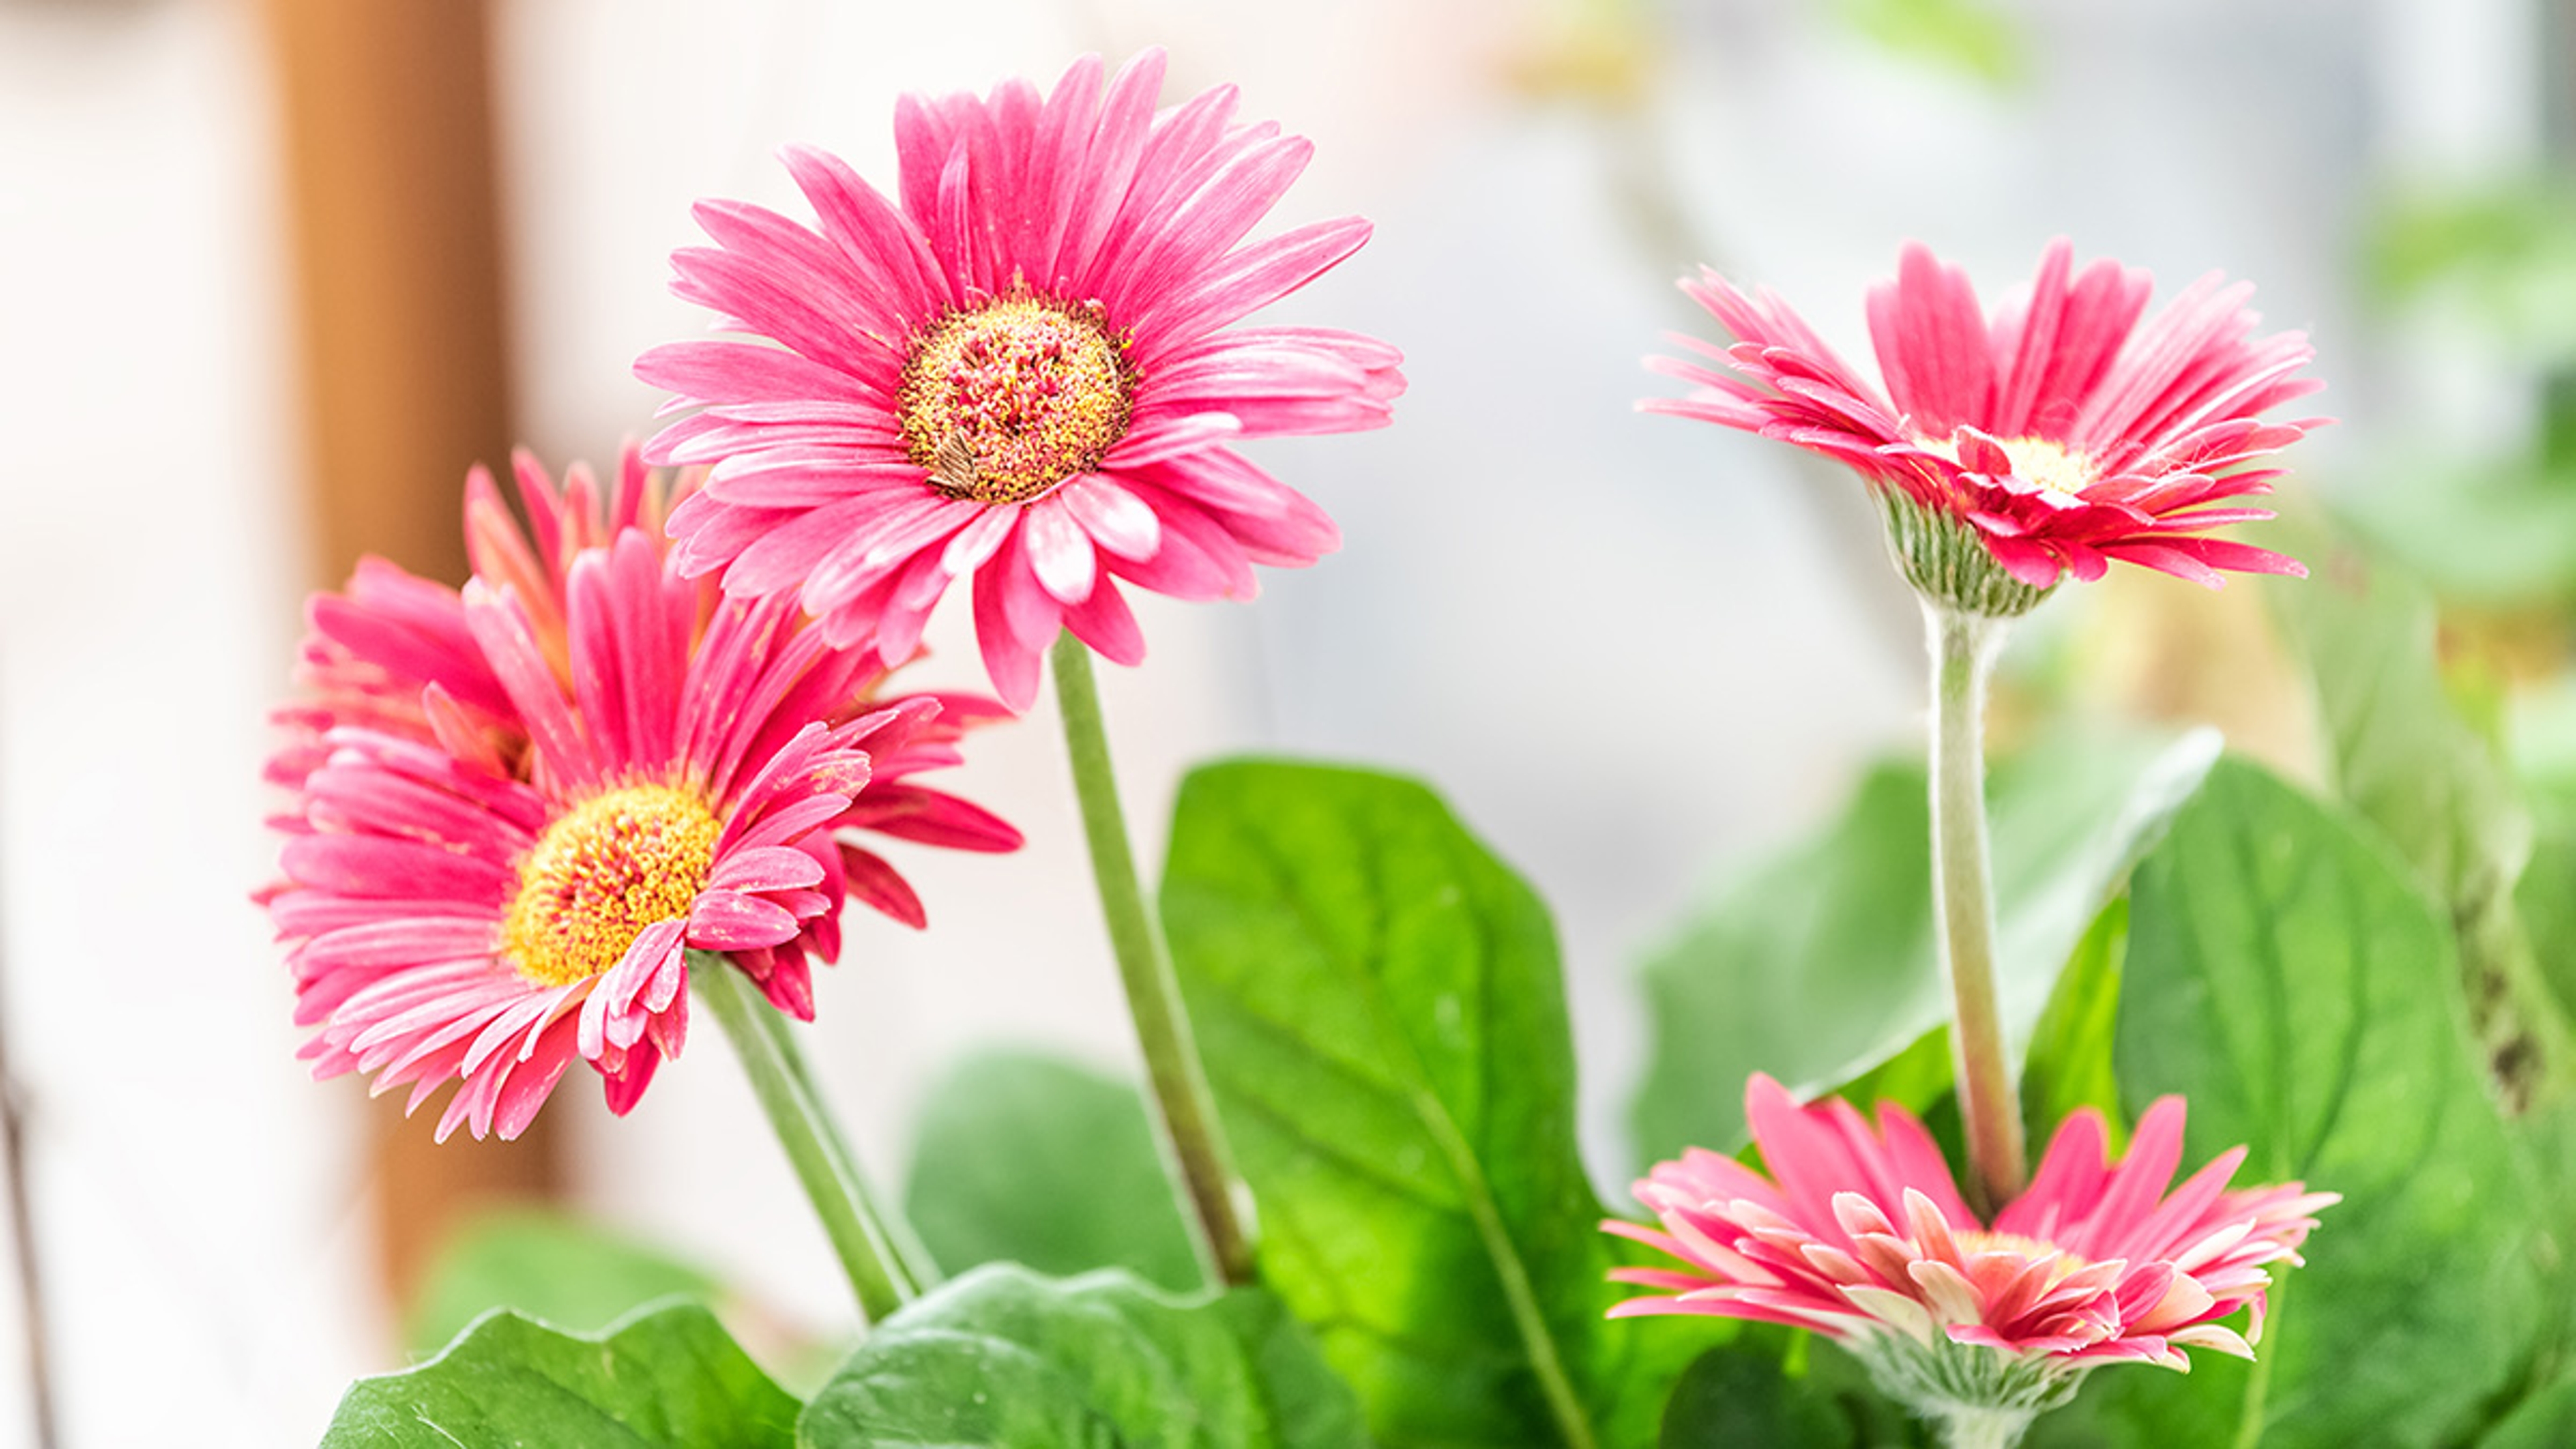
2048 465
617 863
2029 1250
1004 402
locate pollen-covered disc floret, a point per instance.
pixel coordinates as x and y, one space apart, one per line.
611 866
1004 401
1860 1233
2060 435
1023 367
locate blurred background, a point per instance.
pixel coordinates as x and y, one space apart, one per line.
278 271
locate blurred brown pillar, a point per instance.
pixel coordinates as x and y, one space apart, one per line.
386 126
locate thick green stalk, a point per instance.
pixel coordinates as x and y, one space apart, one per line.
805 1128
1193 1142
1985 1428
1963 650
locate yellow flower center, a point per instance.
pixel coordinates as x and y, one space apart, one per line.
1003 402
618 862
2049 465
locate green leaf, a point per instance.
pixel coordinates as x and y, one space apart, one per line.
1027 1159
1812 1396
1964 36
2290 980
1006 1359
668 1378
560 1270
1823 965
2546 1420
2406 758
2069 1067
1384 1024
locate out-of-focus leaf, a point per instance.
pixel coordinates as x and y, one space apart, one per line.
2492 531
563 1271
1823 965
2546 1420
665 1379
1026 1159
1783 1389
2289 980
1005 1359
2407 759
1384 1024
2503 255
1964 36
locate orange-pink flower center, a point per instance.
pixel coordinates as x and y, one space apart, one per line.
611 866
1004 401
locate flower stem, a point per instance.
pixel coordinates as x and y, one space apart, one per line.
1984 1428
829 1174
1194 1150
1963 650
912 1258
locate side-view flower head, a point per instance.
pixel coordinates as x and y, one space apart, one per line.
518 807
2058 436
1025 368
1861 1234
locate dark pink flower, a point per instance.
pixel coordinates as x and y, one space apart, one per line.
1861 1234
518 807
374 651
2062 433
1025 369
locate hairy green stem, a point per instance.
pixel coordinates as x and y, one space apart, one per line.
823 1163
1984 1428
1192 1140
1963 650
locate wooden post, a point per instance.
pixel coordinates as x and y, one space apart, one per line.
385 119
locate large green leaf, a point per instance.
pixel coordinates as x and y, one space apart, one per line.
1005 1359
2408 759
1822 966
1384 1024
1032 1160
1781 1388
2286 975
665 1379
560 1270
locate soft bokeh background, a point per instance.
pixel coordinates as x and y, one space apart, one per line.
1633 652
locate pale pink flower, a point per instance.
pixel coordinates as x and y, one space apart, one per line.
1025 369
2061 434
373 650
1861 1234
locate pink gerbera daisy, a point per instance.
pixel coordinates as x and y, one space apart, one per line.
1026 371
1861 1234
2058 436
393 650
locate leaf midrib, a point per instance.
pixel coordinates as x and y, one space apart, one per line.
1518 1293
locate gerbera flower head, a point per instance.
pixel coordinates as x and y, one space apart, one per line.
519 807
1860 1233
2009 453
392 652
1023 368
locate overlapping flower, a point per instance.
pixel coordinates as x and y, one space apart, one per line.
1860 1233
1025 369
2062 434
519 807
